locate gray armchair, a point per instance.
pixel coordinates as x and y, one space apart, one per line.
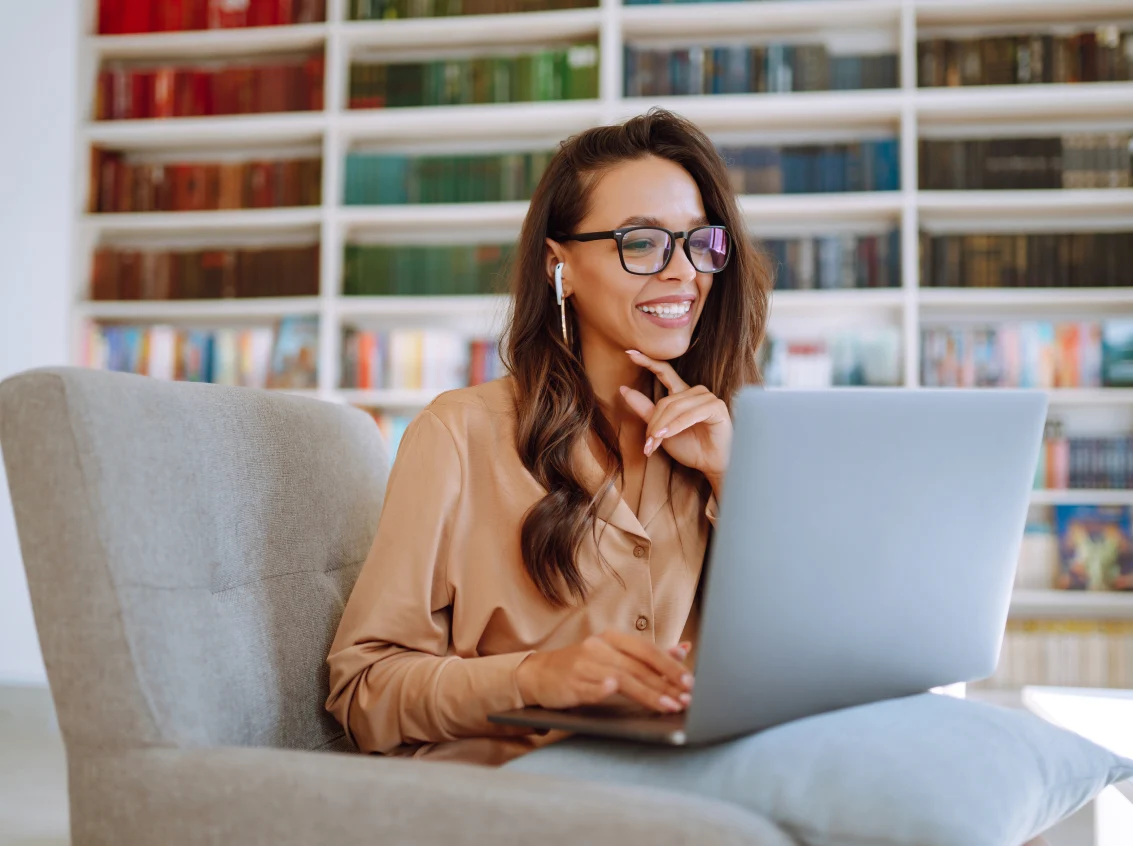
189 549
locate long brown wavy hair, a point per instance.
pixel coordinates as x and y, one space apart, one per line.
557 407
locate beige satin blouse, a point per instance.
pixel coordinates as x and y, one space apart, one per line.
443 611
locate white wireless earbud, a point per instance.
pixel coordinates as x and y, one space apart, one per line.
559 283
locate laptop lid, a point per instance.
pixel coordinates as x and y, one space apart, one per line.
866 549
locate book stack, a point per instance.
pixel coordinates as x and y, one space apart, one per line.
124 274
258 357
121 17
836 261
1083 463
408 270
863 356
553 73
1080 160
743 69
1029 354
119 184
1031 260
432 360
866 166
394 178
369 10
1071 653
1099 54
140 90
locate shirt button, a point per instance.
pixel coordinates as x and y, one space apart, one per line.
642 623
639 552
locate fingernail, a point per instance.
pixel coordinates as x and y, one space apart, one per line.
687 680
669 704
648 443
685 698
623 390
633 352
661 433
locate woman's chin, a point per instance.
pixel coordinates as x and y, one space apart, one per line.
664 349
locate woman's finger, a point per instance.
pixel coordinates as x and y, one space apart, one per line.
650 655
630 687
672 406
638 403
648 677
661 369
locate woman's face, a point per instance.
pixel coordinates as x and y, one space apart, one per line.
618 310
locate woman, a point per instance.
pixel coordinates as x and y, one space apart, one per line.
543 535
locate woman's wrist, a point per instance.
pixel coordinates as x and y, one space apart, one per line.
524 678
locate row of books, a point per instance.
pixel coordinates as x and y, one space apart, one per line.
1101 54
123 274
559 73
119 184
121 17
863 356
744 69
1080 160
392 427
836 261
411 270
371 10
433 359
1077 547
1029 354
1028 260
132 92
827 168
1084 463
1069 653
391 179
283 356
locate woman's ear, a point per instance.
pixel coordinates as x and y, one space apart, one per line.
556 255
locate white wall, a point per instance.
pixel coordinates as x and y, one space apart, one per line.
38 60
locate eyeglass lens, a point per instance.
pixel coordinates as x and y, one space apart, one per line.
648 250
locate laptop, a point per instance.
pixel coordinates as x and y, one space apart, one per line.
865 550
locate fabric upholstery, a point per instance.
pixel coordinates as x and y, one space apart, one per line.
189 550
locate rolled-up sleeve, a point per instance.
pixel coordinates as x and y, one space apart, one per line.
392 679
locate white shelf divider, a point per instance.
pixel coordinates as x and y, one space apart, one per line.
1082 497
1072 604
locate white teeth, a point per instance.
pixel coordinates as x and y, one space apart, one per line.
669 310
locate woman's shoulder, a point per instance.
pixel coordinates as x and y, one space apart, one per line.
470 414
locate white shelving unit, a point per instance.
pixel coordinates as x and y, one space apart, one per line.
907 113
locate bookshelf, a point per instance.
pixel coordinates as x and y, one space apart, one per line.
908 113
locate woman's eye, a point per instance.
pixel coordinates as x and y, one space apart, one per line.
639 246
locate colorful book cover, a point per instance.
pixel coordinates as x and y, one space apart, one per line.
295 353
1117 353
1095 545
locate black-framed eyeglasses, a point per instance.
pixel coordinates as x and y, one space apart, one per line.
646 250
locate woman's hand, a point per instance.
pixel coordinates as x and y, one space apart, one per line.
603 665
692 424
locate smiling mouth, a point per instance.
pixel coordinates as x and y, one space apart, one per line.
671 311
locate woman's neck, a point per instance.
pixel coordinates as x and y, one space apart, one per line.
608 370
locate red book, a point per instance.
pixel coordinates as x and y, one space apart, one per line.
261 185
169 16
273 88
227 14
108 183
104 96
136 16
197 14
202 93
263 13
109 17
163 93
284 11
313 71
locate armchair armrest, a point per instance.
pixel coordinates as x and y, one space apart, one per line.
235 795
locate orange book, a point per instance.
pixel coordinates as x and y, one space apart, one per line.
1066 367
230 194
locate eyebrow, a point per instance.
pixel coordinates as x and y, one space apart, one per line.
647 220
